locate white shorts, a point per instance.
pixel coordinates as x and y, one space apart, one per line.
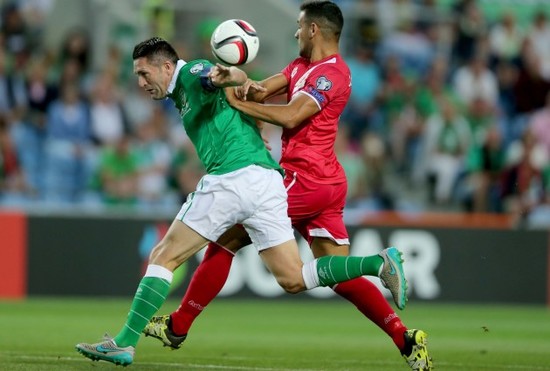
253 196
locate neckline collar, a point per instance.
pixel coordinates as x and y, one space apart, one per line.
172 84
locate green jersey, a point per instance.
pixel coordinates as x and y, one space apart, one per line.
225 139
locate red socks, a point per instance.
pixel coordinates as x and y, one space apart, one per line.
207 282
370 301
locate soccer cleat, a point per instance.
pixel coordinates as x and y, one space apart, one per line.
416 352
159 329
108 351
392 276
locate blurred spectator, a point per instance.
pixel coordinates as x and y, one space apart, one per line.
539 125
138 106
369 27
186 170
13 99
446 143
530 91
12 179
392 93
69 156
71 65
407 129
522 182
485 164
40 91
76 47
505 40
352 163
71 73
538 35
161 18
393 14
531 88
107 117
30 134
35 13
375 189
361 113
480 116
411 46
433 87
118 173
470 27
475 80
16 34
507 75
429 92
154 155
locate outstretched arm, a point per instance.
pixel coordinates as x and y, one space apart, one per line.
223 76
288 116
259 91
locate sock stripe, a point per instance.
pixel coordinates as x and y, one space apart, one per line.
131 329
153 290
147 302
330 267
138 314
346 266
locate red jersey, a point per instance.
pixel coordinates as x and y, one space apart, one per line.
308 149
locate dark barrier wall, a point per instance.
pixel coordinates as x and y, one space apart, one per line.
86 256
81 256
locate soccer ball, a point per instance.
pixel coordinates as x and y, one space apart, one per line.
235 42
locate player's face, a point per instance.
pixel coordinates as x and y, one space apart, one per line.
303 34
153 78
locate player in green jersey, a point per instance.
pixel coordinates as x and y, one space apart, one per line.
243 185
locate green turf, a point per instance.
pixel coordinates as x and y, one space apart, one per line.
40 334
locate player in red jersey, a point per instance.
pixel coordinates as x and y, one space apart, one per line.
317 87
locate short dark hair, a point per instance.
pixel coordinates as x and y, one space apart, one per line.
326 14
155 48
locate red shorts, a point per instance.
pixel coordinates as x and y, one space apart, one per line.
317 210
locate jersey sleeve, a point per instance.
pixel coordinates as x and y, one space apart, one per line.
324 84
206 82
287 71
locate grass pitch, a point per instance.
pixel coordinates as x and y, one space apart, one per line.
40 334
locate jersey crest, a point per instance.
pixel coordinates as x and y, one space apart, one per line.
196 68
323 83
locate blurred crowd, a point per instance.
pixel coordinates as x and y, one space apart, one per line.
74 135
449 111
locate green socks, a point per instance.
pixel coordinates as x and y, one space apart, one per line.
330 270
149 297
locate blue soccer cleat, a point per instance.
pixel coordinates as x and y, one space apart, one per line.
108 351
392 276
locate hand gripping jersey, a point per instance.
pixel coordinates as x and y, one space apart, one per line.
309 148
